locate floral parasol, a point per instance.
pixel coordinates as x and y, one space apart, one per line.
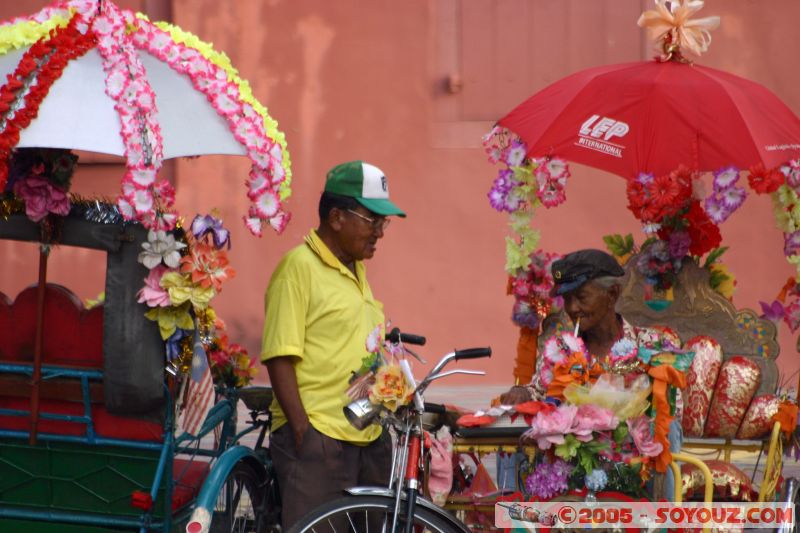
160 92
661 125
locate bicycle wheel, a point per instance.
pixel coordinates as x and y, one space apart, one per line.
235 509
362 514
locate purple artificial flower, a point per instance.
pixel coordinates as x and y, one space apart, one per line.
205 224
725 178
548 480
791 243
515 154
645 177
497 198
505 180
774 311
679 242
715 208
513 201
173 344
733 198
524 315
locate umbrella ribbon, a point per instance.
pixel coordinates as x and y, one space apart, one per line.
664 375
671 21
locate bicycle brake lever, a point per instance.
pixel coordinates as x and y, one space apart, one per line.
417 357
459 371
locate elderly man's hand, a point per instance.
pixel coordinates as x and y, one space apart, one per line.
516 394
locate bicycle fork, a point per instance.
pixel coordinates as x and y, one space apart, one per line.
408 477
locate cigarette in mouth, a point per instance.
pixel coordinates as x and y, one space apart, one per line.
577 326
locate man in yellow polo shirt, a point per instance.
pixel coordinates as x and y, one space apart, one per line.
319 312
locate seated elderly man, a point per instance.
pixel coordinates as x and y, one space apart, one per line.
590 282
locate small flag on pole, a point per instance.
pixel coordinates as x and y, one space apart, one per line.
200 390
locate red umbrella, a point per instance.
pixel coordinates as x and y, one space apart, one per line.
654 116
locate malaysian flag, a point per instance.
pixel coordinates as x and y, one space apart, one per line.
200 390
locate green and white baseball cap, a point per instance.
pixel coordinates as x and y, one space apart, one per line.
364 182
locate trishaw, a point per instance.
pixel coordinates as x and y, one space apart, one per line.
660 125
123 414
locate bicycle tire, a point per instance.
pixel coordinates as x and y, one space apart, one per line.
352 510
236 508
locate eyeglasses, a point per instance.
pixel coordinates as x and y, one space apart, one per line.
376 223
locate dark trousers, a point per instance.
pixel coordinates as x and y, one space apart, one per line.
323 468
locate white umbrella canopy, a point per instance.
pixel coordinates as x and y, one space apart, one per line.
87 75
190 126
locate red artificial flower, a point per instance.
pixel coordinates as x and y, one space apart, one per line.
637 197
764 181
667 195
704 233
51 54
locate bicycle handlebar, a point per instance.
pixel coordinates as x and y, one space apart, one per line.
472 353
396 336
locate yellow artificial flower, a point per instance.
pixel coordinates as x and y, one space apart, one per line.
27 32
622 259
181 290
245 369
171 318
726 287
391 388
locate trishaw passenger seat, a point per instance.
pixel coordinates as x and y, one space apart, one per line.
73 334
73 339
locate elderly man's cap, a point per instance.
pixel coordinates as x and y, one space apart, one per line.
576 268
365 183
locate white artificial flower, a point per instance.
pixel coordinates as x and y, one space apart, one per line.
161 246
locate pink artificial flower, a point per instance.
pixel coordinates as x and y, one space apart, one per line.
165 192
553 352
267 204
141 177
557 167
590 418
41 198
152 293
254 225
639 429
279 221
548 429
258 183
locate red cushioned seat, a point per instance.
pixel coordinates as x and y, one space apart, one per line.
189 477
73 334
105 424
74 338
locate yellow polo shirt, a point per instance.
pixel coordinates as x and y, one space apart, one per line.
320 313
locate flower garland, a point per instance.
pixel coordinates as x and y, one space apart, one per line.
245 92
224 90
119 33
28 85
22 32
519 190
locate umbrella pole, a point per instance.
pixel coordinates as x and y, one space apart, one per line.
44 252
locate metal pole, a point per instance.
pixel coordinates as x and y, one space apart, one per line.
44 252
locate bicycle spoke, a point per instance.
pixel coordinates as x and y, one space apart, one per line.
349 519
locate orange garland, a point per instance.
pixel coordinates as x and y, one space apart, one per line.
662 376
525 362
573 370
787 416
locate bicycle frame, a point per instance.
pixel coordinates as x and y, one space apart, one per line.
407 459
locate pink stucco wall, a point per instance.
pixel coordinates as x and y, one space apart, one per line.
411 87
